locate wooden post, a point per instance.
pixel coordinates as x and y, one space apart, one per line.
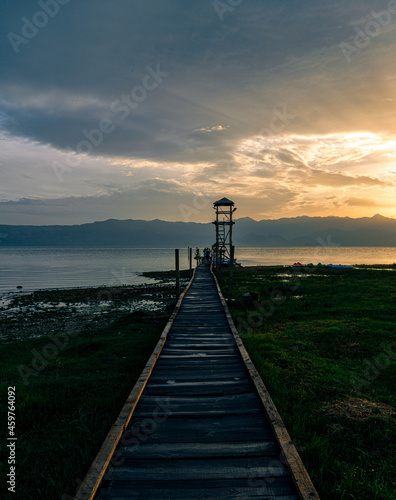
230 273
177 273
190 259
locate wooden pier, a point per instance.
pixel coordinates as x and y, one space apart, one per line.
199 424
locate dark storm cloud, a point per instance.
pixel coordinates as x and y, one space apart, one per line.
91 55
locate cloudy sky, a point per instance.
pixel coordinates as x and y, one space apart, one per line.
150 109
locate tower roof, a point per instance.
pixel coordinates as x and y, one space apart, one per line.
224 202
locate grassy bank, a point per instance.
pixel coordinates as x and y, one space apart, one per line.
72 378
324 343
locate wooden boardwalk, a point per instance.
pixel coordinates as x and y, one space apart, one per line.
202 425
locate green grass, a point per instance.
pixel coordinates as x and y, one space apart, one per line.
320 344
64 413
313 340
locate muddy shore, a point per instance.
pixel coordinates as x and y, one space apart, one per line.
27 315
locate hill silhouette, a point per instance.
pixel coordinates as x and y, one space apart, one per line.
297 231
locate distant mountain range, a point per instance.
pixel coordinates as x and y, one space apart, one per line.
298 231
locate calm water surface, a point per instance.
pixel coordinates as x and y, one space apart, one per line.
43 268
324 254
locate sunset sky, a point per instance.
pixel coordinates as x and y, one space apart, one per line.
148 109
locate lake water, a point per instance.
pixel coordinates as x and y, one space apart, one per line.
43 268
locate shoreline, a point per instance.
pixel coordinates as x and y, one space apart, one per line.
34 314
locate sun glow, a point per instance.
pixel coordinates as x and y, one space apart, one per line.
325 150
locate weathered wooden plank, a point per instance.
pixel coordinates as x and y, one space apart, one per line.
162 374
199 429
201 412
197 468
195 296
179 385
197 376
213 347
208 349
191 365
202 317
200 450
196 328
162 407
194 345
196 331
198 315
225 361
220 494
220 364
216 388
183 375
210 307
201 337
216 312
200 355
222 348
203 334
196 353
239 399
188 368
202 327
280 488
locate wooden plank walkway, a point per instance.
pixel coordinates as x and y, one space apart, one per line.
202 425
